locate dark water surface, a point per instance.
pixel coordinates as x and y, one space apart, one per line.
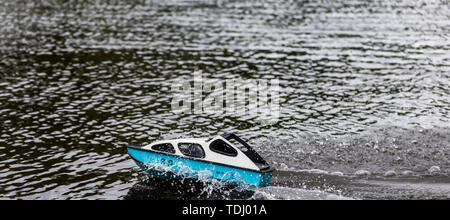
365 86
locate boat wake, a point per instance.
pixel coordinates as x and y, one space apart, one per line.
290 185
384 151
287 193
188 188
390 163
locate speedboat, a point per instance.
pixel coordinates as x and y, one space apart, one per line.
225 158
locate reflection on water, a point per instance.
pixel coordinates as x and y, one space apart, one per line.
79 80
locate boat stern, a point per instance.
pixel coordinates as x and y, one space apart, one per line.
266 178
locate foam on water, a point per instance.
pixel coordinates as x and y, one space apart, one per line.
287 193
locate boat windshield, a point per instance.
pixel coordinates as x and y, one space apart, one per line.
247 150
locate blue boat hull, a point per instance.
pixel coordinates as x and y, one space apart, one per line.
175 167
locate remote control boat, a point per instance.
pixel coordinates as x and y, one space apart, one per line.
225 158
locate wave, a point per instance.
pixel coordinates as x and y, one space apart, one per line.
383 151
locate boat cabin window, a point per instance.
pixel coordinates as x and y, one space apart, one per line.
247 150
191 150
221 147
168 148
238 144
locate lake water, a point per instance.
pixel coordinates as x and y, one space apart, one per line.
364 86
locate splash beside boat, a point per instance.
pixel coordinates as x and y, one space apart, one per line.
226 158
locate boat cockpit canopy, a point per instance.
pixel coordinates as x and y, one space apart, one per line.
247 150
